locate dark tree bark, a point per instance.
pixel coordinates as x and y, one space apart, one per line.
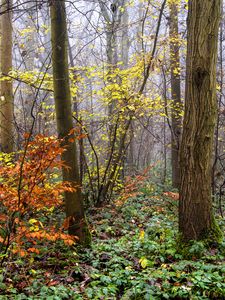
73 201
196 220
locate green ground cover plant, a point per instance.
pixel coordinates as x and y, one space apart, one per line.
134 255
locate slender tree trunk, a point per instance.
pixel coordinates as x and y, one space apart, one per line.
176 123
73 201
164 172
75 109
29 63
6 105
125 43
195 207
112 60
219 106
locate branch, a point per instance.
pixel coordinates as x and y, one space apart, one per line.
153 50
37 87
104 11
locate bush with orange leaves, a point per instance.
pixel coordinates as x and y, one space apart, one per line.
132 186
29 184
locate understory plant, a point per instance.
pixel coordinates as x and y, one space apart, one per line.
30 187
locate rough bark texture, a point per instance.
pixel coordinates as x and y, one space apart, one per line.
175 95
6 101
196 220
73 201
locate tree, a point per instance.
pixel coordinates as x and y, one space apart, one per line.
6 107
73 200
196 221
112 18
125 42
175 93
28 56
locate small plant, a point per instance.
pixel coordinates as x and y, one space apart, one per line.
197 249
30 185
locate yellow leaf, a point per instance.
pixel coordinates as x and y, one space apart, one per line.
34 228
32 221
142 235
143 262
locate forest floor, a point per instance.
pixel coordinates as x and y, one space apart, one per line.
134 255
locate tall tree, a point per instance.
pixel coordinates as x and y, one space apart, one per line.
175 93
196 219
125 42
112 19
6 88
73 200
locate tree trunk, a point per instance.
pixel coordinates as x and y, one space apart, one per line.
125 43
73 201
112 60
30 44
6 106
176 123
196 220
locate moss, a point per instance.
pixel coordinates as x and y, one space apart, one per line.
210 238
87 236
78 227
214 235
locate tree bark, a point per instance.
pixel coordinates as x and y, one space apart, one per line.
125 42
73 200
6 101
30 44
196 220
176 119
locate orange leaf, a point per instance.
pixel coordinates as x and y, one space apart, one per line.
66 223
81 136
71 140
33 250
22 253
53 282
71 131
172 195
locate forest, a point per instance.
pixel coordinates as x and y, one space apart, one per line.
112 149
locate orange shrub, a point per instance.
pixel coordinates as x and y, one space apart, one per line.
29 184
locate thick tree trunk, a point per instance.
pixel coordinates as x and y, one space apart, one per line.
195 210
73 201
176 123
6 103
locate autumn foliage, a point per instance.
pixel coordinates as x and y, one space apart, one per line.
30 184
133 185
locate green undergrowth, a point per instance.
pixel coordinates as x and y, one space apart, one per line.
134 255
